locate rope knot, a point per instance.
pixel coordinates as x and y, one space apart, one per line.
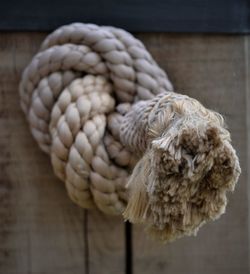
101 107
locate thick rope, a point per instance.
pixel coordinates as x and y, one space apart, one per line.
101 107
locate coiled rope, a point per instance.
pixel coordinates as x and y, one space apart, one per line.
101 107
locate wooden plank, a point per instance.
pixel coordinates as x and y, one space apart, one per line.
211 69
106 240
228 16
247 63
41 231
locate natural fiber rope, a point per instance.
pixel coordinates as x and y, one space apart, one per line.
98 103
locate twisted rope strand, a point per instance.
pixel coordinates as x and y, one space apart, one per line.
104 111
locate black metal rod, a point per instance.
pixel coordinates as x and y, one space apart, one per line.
129 248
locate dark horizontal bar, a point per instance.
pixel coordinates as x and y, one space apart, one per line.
212 16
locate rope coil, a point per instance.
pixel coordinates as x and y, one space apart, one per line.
101 107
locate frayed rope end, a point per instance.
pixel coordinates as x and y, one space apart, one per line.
181 181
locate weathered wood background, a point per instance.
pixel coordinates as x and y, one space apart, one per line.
43 232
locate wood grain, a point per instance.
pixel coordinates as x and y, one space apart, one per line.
43 232
211 69
106 244
247 64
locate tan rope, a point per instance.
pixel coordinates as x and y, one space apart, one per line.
101 107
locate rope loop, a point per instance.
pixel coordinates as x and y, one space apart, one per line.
120 138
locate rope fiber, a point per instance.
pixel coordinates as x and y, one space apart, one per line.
120 138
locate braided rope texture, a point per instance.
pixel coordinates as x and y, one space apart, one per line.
70 92
120 138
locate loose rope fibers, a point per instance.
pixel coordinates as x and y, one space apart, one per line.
120 138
